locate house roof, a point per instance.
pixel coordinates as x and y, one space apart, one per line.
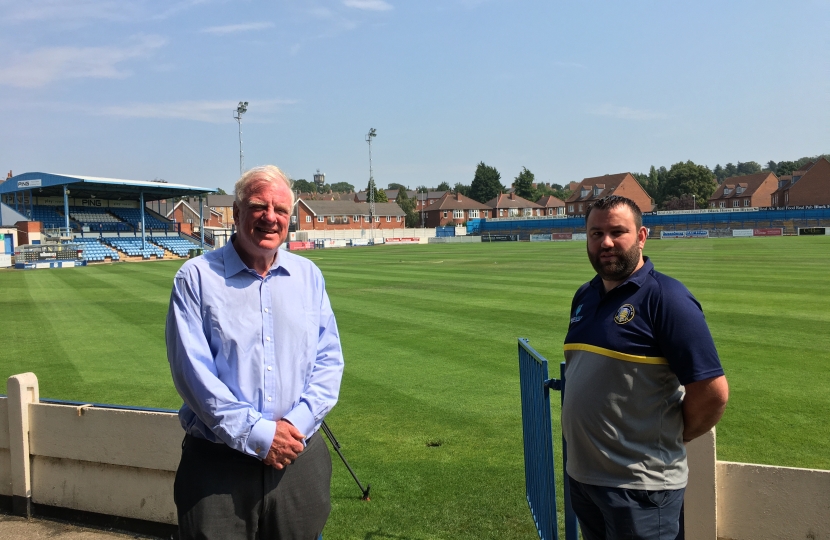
218 201
455 201
350 208
511 200
392 194
810 173
606 184
749 184
549 201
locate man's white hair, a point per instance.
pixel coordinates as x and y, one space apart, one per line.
258 176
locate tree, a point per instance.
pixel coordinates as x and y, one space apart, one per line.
305 186
720 173
730 170
380 195
750 167
220 191
422 189
443 186
689 179
395 185
785 168
342 187
461 189
772 166
486 183
408 205
523 184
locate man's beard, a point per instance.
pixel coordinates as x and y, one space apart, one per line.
617 270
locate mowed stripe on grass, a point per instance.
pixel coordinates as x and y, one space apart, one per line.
429 409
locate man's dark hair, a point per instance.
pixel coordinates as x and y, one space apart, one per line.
613 201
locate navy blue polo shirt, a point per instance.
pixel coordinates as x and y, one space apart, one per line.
629 351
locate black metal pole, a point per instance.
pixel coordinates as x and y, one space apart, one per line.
336 446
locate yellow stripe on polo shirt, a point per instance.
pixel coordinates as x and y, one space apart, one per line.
654 360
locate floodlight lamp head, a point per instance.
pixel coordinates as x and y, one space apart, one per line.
242 108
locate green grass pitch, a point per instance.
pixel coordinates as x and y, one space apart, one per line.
429 411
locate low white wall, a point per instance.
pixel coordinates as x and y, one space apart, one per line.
348 234
122 463
760 502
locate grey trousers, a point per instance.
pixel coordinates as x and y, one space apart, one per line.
224 494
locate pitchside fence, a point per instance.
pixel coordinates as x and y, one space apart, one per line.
540 479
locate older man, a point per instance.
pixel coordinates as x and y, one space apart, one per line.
643 378
255 354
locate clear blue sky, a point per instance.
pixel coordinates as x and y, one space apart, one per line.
141 90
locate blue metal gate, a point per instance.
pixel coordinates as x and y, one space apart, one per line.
538 445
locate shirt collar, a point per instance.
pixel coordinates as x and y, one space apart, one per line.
234 265
637 278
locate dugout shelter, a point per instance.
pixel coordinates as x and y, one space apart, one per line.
77 203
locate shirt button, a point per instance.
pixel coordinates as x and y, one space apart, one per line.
258 449
269 368
268 338
269 398
266 310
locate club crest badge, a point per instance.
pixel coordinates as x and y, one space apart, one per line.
624 314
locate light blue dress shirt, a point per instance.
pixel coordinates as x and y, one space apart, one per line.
246 351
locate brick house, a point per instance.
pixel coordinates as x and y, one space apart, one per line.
552 206
454 209
511 205
223 204
750 191
423 200
591 189
186 211
334 215
809 186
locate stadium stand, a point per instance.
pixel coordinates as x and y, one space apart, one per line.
48 216
97 219
95 251
133 217
179 246
132 247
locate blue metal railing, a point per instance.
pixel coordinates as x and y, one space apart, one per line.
538 445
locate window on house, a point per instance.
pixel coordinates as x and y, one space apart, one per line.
398 218
446 213
458 214
308 219
580 207
597 191
388 219
746 202
711 205
501 210
356 218
584 192
739 190
293 219
473 214
726 191
321 219
786 197
722 204
736 203
570 208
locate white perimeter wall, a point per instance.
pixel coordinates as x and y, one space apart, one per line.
123 462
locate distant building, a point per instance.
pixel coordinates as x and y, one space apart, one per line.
511 205
334 215
750 191
454 209
552 206
592 189
808 186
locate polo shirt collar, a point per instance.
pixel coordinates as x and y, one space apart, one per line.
638 278
234 265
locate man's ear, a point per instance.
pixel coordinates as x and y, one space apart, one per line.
235 214
642 235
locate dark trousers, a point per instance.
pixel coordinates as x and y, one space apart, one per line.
224 494
607 513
